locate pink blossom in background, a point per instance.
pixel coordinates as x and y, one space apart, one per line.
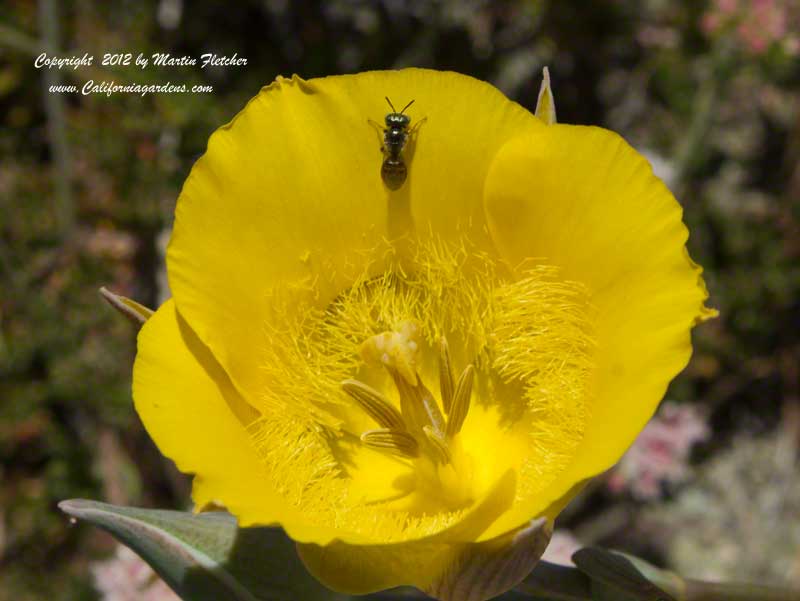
758 24
660 454
562 545
126 577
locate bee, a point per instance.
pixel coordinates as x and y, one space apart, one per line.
395 136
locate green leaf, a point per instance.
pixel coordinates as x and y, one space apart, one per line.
206 557
669 581
553 582
615 578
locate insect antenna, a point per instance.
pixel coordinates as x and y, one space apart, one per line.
394 110
406 106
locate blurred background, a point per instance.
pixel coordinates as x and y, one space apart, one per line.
707 90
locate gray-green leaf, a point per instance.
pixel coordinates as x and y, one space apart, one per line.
206 557
554 582
601 575
614 577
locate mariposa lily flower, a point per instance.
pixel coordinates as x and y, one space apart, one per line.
413 380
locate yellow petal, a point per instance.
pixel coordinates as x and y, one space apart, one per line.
198 420
582 199
360 569
289 195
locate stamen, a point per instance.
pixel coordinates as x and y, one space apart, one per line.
461 400
418 405
438 444
445 375
392 441
375 405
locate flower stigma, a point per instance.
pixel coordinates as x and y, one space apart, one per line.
412 392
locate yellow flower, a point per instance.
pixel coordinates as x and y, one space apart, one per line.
406 379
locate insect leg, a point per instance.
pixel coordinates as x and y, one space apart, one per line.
379 129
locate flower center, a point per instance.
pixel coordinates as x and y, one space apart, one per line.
419 431
396 406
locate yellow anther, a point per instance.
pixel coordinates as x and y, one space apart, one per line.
445 375
374 404
391 441
461 400
418 405
441 452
